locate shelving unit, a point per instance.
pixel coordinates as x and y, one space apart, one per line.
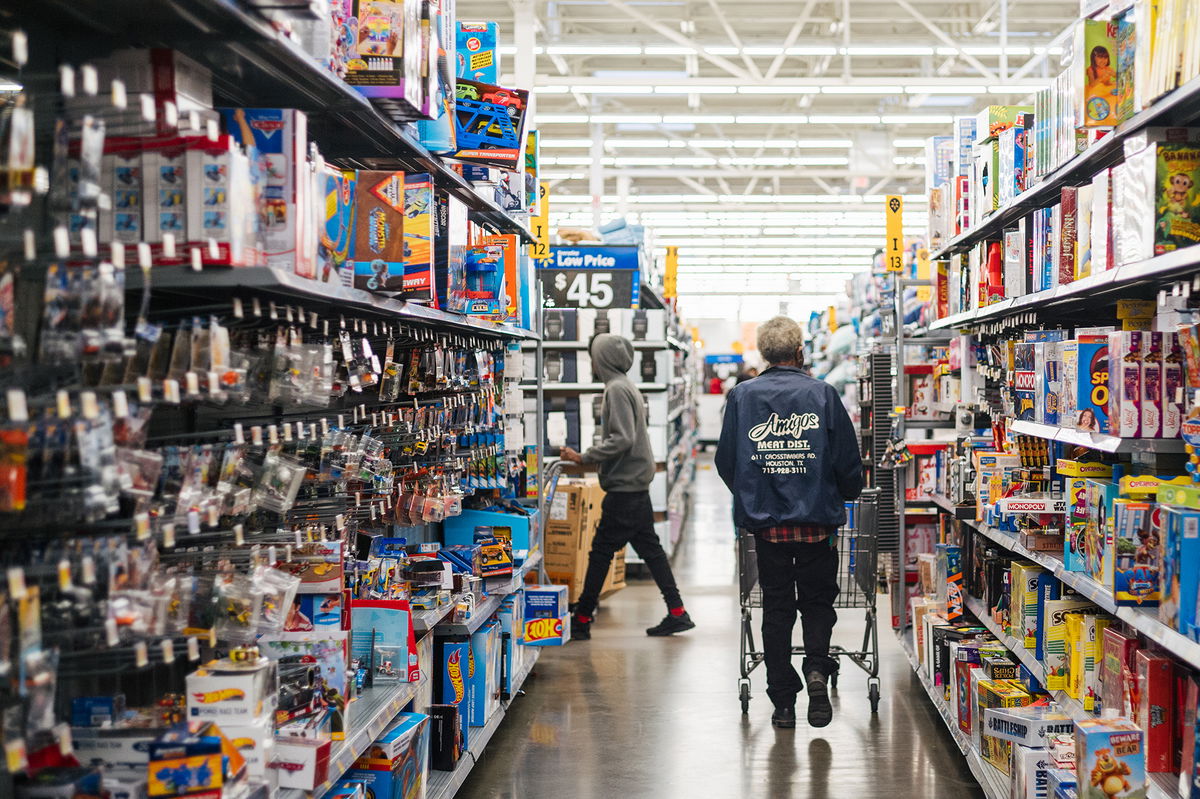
1097 441
1176 108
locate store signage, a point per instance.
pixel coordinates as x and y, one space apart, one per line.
591 277
893 252
671 274
539 225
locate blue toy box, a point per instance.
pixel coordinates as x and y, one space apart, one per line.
396 766
522 530
456 669
545 617
484 688
478 45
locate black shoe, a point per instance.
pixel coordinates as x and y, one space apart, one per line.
784 718
820 711
671 625
580 630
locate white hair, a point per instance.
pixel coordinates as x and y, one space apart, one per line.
779 339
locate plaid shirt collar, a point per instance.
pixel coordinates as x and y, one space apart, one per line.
797 533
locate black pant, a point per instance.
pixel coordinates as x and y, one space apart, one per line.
626 518
796 577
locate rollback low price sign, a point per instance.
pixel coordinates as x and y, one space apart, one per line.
600 276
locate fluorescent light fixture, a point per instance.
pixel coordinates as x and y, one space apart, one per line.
630 119
693 119
905 143
603 89
932 89
885 50
722 50
711 143
918 119
593 49
771 119
909 160
561 119
843 119
812 50
823 144
758 50
859 89
778 89
1016 88
564 144
640 143
695 89
668 49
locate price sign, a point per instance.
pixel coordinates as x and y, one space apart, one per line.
893 252
591 277
539 225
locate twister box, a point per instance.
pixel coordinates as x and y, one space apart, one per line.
490 124
1110 759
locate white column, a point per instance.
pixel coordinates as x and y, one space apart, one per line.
623 183
596 174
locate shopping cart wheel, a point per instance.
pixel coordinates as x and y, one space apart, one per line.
744 694
873 694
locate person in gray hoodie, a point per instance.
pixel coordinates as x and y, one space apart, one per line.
626 466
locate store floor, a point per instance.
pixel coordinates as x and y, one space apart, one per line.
627 716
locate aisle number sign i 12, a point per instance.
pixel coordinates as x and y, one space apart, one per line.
893 253
539 225
671 273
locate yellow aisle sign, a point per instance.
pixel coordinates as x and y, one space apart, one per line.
539 225
893 253
924 293
671 274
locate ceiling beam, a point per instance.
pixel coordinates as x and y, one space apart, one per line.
790 39
695 185
734 39
942 37
678 38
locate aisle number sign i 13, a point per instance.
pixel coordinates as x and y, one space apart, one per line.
539 225
893 253
671 273
591 277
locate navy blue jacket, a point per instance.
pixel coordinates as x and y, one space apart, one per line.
788 451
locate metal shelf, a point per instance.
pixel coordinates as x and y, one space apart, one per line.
444 784
532 653
254 65
512 583
1093 290
587 386
484 609
369 714
929 424
426 620
583 345
1177 108
213 281
959 511
1097 441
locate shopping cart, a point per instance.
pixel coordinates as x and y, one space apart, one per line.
858 579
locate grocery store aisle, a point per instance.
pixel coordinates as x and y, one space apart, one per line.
624 715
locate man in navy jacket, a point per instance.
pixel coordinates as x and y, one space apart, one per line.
789 453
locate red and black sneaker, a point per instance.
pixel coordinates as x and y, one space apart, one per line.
672 624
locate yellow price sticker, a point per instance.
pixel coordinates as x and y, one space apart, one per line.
539 225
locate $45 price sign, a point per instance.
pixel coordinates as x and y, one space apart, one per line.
591 277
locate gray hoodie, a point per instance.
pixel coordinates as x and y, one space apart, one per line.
624 455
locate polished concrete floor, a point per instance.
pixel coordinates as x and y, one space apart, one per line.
627 716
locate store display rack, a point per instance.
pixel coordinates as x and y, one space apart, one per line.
990 779
189 283
253 64
1176 108
370 714
1096 441
588 386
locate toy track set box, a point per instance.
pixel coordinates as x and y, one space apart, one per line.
490 124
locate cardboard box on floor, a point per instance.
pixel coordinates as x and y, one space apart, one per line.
570 527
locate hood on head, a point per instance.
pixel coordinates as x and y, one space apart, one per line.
612 356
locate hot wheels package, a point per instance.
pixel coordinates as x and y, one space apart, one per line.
239 609
279 483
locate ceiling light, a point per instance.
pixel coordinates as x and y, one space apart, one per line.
772 119
668 50
932 89
844 119
1016 88
812 50
821 144
886 50
555 119
564 144
722 50
757 50
626 89
778 89
640 143
918 119
856 89
695 89
903 143
645 119
711 119
593 49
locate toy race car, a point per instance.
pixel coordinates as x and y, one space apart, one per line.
511 102
465 92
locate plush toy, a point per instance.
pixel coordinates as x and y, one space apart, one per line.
574 235
1109 773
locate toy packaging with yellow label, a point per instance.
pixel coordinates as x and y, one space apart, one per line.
546 618
1054 634
1110 759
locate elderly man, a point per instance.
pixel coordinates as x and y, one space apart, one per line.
789 454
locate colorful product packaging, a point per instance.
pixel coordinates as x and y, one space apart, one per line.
1117 670
546 616
420 232
1156 709
456 670
388 66
1092 386
478 49
1110 758
377 248
1095 80
1054 633
396 765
